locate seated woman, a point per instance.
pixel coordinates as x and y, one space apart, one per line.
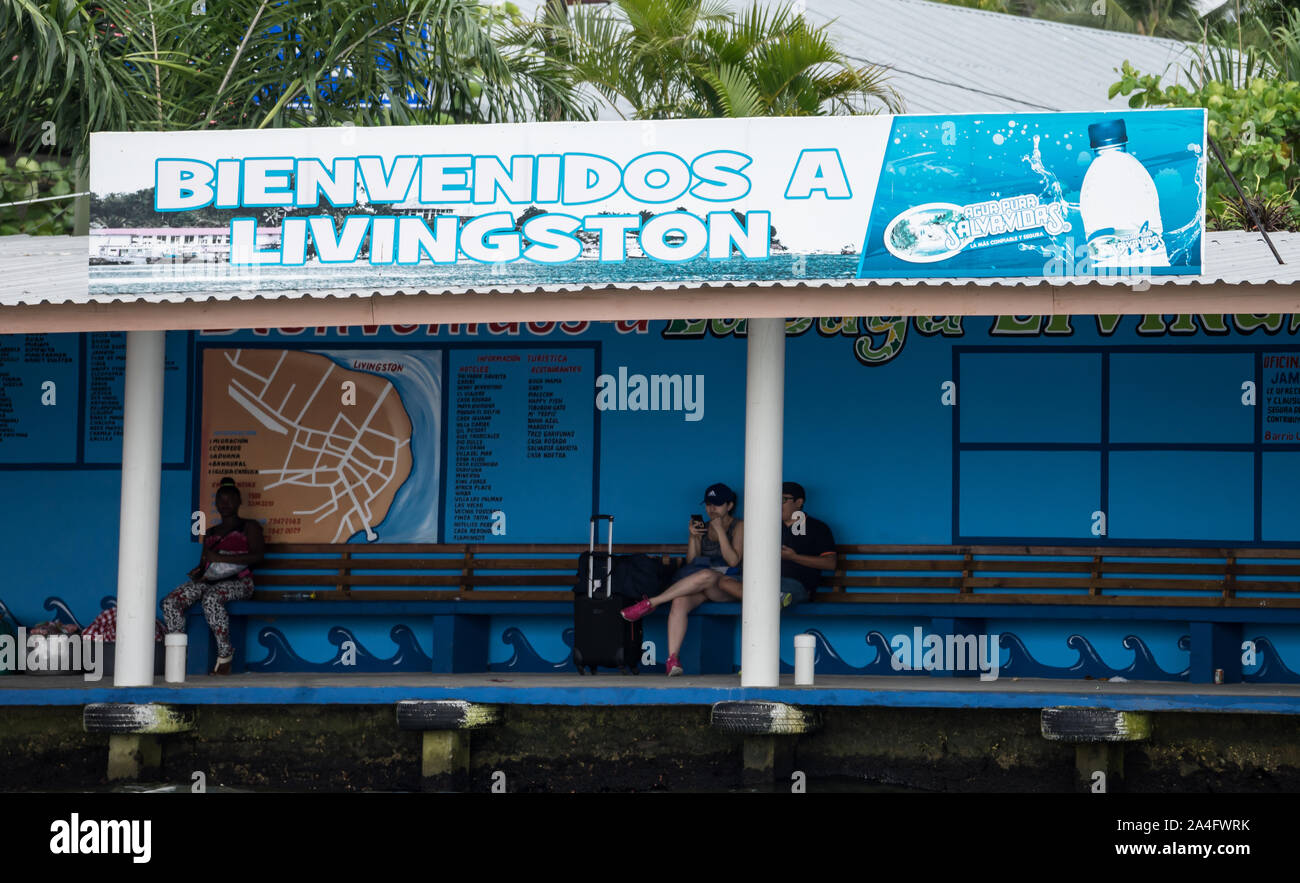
223 574
714 548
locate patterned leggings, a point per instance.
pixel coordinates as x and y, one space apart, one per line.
215 597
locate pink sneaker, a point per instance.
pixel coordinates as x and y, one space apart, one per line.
673 666
637 610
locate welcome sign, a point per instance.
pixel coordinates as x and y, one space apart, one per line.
523 206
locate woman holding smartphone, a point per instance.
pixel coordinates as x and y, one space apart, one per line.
713 549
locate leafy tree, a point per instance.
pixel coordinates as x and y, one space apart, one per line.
693 58
1152 18
1256 126
1263 42
70 70
1246 73
770 62
253 63
29 179
74 67
526 215
385 62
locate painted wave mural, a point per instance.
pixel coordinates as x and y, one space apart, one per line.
298 648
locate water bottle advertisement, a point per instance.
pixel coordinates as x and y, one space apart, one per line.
1040 195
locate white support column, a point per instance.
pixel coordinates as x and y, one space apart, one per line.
137 549
760 622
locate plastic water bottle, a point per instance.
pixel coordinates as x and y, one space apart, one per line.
1119 204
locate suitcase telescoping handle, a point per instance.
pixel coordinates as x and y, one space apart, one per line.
591 557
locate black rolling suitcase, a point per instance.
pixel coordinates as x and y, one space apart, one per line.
601 636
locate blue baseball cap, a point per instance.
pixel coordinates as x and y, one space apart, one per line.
719 494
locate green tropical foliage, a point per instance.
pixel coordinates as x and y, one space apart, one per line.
73 68
1266 45
1257 128
1250 23
28 179
184 64
770 62
78 67
385 62
1152 18
1246 73
668 59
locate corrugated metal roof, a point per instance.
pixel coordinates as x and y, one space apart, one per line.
53 269
951 59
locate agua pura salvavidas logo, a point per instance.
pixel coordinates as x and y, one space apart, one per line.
936 231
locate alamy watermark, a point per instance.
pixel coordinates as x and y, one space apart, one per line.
78 836
982 653
654 392
53 653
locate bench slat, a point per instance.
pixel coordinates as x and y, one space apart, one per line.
414 595
1080 600
441 564
1011 582
1069 551
459 548
929 582
411 579
864 573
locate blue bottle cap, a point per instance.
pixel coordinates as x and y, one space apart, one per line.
1107 134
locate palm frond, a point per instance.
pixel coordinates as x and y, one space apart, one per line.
736 95
684 58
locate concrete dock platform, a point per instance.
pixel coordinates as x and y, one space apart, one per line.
625 690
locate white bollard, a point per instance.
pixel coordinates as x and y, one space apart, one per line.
804 648
174 672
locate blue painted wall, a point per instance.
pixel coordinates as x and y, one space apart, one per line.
1140 417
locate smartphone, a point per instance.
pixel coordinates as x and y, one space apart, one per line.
698 518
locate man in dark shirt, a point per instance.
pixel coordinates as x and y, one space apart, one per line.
807 548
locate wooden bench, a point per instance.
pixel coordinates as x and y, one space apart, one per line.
1216 591
1095 576
459 586
456 587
